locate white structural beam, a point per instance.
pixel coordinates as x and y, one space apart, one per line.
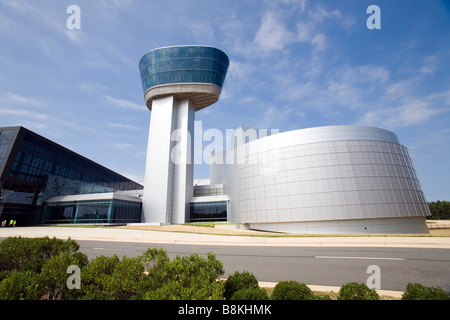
182 157
169 170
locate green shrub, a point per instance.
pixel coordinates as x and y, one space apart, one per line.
170 290
239 281
125 280
53 277
191 269
292 290
109 278
96 276
190 278
20 285
250 293
357 291
36 268
5 274
153 276
417 291
176 290
322 296
17 253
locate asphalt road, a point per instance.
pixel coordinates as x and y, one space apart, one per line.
329 266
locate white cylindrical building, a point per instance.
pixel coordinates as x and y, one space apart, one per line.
336 179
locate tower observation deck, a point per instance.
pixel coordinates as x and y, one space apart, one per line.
177 81
193 72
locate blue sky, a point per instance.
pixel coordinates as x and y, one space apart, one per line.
294 64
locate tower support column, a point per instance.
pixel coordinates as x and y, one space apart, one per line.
182 158
168 185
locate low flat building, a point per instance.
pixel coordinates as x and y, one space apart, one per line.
34 169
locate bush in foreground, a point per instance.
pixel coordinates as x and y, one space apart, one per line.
239 281
110 278
17 253
250 293
357 291
153 276
35 269
417 291
292 290
20 285
188 278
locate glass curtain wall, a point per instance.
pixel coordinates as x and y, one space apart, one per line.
35 161
208 211
184 64
5 140
93 212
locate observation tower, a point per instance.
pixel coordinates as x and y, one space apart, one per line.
177 81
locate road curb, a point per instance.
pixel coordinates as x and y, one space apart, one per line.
335 289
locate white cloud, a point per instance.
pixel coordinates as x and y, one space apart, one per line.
116 3
273 34
401 88
319 14
296 3
92 88
47 124
202 32
5 23
430 64
352 86
356 75
47 20
12 98
123 126
125 104
121 146
304 31
19 5
411 111
416 111
319 41
239 71
275 116
23 114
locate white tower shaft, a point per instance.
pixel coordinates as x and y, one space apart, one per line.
168 186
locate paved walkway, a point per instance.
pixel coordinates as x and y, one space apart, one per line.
438 224
185 236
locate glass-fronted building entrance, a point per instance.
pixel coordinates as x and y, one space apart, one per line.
108 208
208 211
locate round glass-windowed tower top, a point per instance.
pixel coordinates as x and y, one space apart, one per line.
193 72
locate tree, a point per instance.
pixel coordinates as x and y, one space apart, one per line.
439 210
